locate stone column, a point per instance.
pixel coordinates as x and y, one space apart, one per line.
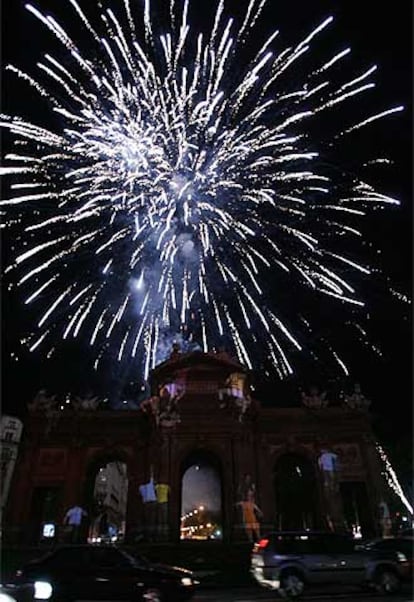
16 515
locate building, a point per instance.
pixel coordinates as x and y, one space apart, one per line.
11 432
110 499
310 466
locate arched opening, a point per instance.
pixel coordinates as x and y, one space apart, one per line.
355 502
295 492
106 498
201 515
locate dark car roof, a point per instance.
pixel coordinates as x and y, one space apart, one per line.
77 548
306 532
84 546
391 543
391 539
408 532
72 551
74 548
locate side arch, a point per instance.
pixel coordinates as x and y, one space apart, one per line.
106 492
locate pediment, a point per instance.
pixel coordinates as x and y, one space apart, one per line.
196 366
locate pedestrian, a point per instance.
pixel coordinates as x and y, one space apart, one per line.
175 352
245 488
149 499
385 519
162 491
251 514
329 466
73 519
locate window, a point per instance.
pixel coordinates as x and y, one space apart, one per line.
292 544
6 454
338 544
394 545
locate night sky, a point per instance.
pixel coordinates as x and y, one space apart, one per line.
378 33
201 487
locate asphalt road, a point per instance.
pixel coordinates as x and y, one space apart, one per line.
250 594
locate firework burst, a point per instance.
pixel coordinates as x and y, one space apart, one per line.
177 185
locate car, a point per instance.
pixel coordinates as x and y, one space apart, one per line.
408 532
403 546
104 572
5 595
291 561
12 593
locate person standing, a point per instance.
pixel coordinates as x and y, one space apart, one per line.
251 513
329 466
162 491
73 519
385 519
246 487
149 499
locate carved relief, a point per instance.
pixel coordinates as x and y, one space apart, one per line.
51 461
350 460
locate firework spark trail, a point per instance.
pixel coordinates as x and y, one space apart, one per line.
178 183
391 478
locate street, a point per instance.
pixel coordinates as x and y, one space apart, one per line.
252 594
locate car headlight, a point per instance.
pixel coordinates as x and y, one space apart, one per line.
187 581
43 590
401 557
6 598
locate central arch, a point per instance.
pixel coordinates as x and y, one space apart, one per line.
201 499
296 493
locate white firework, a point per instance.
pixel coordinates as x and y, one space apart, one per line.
178 184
